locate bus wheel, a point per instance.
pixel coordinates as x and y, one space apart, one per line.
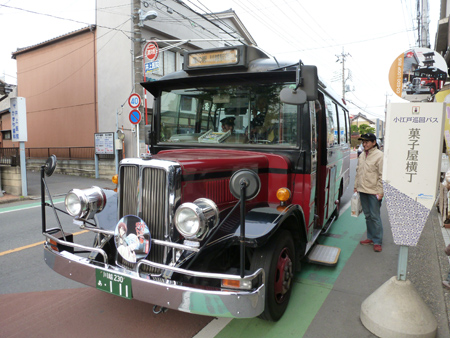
277 258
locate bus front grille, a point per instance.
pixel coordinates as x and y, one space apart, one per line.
144 192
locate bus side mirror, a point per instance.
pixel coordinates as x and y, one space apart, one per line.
307 84
293 96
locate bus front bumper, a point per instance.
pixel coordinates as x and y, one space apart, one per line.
164 293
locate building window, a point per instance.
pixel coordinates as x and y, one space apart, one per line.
6 134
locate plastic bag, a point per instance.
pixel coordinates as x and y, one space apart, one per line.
356 205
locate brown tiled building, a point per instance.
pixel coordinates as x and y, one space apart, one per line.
57 78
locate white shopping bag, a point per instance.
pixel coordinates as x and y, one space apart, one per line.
356 205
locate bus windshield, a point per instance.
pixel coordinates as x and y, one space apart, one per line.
231 114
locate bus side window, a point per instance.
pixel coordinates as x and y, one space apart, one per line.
332 126
342 126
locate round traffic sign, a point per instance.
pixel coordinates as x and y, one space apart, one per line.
134 100
135 116
151 50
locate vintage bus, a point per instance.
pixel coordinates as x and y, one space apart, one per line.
249 160
427 80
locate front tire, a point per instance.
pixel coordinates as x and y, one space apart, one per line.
277 258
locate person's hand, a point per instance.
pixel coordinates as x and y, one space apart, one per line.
355 190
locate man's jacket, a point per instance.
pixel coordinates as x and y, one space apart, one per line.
369 172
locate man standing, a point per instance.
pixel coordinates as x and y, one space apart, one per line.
369 184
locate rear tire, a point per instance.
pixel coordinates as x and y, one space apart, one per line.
277 258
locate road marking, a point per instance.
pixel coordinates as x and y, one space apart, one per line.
33 245
27 206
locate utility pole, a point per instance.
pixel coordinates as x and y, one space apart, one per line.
139 17
423 25
341 58
137 63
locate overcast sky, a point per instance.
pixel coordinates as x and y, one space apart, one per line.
370 33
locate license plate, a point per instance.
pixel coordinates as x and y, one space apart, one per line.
113 283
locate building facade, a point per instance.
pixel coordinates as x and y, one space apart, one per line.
78 84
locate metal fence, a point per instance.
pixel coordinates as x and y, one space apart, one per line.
77 153
9 156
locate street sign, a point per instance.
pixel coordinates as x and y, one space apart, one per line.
411 168
151 50
134 100
104 143
135 116
19 119
151 66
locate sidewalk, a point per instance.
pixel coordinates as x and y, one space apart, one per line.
58 184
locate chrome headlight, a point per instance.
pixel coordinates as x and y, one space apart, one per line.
85 203
192 220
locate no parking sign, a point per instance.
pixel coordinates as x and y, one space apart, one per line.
135 116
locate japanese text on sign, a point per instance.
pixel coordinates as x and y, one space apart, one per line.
415 119
412 158
104 143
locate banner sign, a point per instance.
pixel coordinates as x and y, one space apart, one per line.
411 168
19 119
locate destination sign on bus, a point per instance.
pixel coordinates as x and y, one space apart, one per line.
214 58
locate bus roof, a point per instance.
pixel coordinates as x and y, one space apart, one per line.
232 63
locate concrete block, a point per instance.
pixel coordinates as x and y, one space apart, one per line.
396 310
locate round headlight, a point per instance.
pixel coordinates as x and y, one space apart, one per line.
85 203
187 220
192 220
73 203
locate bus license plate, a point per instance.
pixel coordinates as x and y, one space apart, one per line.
113 283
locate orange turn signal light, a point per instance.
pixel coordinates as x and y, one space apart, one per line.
230 283
115 179
283 194
53 245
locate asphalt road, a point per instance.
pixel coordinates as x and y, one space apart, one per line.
35 301
31 292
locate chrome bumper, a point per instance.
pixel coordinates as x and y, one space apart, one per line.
234 304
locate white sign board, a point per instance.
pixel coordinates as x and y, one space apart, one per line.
411 168
19 119
104 143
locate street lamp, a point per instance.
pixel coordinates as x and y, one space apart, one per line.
144 16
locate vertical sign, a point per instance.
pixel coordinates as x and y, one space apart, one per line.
18 119
411 168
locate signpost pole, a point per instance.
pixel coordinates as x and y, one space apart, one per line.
402 267
96 165
23 169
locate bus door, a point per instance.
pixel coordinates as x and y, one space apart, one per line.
332 152
326 173
322 181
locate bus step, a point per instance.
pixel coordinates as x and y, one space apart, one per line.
324 255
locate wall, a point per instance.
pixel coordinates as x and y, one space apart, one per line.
85 168
11 182
57 79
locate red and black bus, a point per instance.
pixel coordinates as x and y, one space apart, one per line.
249 160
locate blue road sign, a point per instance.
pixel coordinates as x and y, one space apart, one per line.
135 116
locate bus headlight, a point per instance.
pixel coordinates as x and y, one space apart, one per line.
192 220
85 203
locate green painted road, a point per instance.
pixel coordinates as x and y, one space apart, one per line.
312 286
28 206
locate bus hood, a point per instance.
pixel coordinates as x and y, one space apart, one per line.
208 161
